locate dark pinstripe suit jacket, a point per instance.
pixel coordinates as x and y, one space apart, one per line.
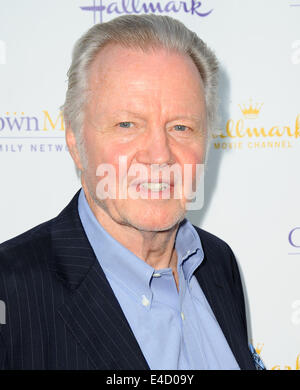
61 312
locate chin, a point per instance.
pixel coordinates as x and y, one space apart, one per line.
155 221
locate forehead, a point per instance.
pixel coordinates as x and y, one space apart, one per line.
156 83
116 62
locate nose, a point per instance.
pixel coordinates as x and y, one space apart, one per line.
155 148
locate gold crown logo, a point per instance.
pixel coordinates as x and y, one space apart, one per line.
259 347
251 111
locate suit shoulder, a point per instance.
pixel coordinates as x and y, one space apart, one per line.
211 242
219 254
16 250
39 233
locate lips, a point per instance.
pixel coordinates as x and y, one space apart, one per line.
154 186
156 182
158 186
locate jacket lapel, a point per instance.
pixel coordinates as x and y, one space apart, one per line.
93 314
227 315
91 310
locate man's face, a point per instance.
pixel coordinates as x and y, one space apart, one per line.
150 108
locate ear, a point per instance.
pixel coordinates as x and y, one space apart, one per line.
73 149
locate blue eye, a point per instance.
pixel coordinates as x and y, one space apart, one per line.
181 127
125 125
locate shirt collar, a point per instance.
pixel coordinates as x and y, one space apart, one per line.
120 263
116 261
188 248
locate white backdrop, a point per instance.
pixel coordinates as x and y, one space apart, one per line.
252 186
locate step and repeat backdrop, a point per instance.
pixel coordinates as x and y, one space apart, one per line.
252 181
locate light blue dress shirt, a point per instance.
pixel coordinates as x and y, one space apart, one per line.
176 330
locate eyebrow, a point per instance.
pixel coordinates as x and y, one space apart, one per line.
195 118
126 112
179 117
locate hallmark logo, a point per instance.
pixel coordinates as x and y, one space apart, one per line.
136 7
247 131
295 3
280 367
288 367
251 111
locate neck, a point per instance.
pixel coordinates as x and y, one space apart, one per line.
156 248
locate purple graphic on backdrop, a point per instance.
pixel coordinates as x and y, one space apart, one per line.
18 130
101 7
14 123
294 240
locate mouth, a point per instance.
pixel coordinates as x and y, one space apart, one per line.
154 186
155 189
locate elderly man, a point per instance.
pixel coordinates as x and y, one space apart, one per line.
120 279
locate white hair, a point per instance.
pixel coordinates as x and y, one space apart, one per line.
143 32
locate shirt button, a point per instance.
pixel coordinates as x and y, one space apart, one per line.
156 275
182 316
145 301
